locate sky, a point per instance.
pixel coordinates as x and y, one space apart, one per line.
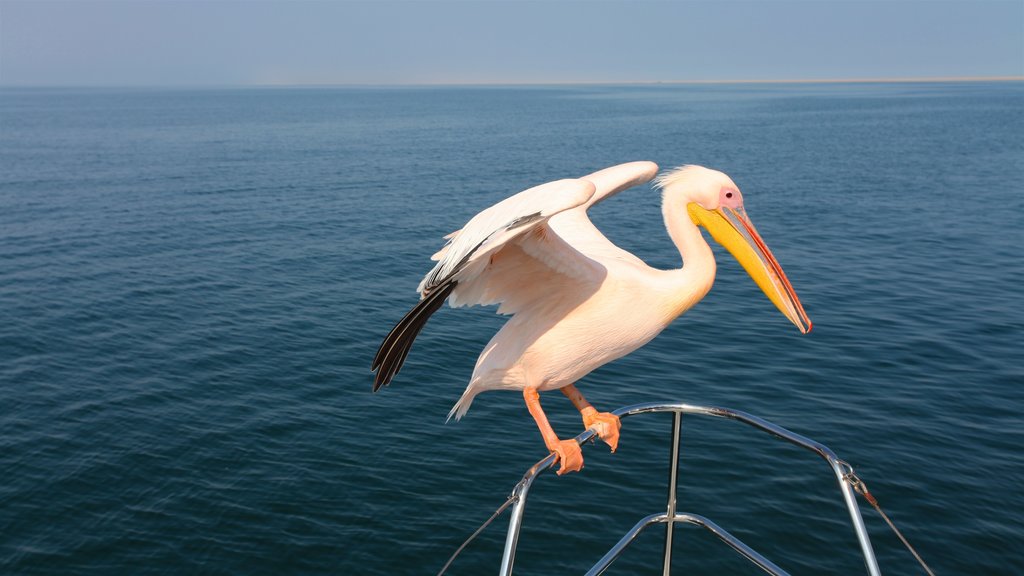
286 42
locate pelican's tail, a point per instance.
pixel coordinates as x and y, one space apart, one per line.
462 406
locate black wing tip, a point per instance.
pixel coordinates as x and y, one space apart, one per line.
379 381
395 348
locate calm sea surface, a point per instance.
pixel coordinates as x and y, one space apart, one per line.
193 283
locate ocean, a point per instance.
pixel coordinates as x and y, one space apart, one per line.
193 283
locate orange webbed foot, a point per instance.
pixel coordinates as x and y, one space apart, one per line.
607 426
570 455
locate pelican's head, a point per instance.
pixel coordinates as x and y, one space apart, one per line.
714 201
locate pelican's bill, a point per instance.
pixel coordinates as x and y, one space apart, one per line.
733 229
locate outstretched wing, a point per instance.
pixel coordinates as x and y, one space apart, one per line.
508 239
575 225
519 271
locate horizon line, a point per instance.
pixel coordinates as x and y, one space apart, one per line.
858 80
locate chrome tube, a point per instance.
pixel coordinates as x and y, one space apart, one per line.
697 520
733 542
673 476
520 492
621 545
870 562
678 408
515 523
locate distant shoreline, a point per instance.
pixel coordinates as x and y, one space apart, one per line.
880 80
934 79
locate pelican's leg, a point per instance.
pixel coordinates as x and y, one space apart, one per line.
606 424
569 452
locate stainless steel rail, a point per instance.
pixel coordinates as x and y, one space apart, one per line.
670 517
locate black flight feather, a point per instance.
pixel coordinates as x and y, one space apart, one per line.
395 347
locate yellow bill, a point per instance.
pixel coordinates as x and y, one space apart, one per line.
731 228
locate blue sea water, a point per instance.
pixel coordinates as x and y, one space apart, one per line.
193 284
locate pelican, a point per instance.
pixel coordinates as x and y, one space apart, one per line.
576 300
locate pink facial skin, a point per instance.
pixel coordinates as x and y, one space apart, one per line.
730 198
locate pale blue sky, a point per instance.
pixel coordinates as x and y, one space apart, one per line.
385 42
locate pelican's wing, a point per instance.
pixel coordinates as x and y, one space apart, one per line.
444 249
468 250
512 233
575 225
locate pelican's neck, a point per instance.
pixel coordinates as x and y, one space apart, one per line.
694 279
687 237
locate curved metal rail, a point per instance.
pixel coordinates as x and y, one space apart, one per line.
670 517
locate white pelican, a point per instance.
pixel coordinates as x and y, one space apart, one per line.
578 301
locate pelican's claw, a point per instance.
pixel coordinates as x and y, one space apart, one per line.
606 425
570 456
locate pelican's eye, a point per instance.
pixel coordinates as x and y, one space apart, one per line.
729 197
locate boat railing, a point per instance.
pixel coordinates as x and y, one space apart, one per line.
840 469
